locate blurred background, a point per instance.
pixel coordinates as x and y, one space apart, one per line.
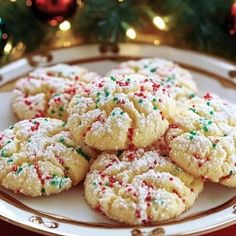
28 26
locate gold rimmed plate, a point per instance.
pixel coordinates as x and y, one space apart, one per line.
67 213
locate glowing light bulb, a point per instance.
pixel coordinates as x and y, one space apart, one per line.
159 23
8 48
65 26
131 33
157 42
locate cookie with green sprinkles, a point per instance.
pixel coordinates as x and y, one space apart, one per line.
48 91
139 187
120 112
203 139
175 79
39 157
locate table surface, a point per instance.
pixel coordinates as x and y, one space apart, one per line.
11 230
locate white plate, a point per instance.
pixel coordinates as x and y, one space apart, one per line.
67 213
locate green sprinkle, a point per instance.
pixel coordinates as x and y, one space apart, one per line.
159 202
9 161
53 111
211 112
128 79
83 154
62 139
213 145
94 184
193 132
106 92
231 172
192 95
4 153
8 141
205 128
153 70
155 108
55 95
154 99
61 109
107 184
208 103
11 127
115 99
29 140
122 113
45 119
113 78
19 170
98 94
43 190
172 77
64 124
191 137
210 122
193 110
140 100
57 181
225 135
113 113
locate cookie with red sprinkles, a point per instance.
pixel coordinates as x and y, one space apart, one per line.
139 187
38 157
48 91
175 79
121 112
203 139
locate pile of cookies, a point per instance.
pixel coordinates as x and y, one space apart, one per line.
141 137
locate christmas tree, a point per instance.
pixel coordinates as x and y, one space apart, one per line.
31 25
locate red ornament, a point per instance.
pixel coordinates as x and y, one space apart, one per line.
232 20
53 11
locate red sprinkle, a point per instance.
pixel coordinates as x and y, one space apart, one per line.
200 165
148 198
14 168
71 91
155 87
131 156
57 100
60 160
208 96
138 213
130 134
100 85
98 209
40 113
112 179
39 173
174 126
35 127
27 102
